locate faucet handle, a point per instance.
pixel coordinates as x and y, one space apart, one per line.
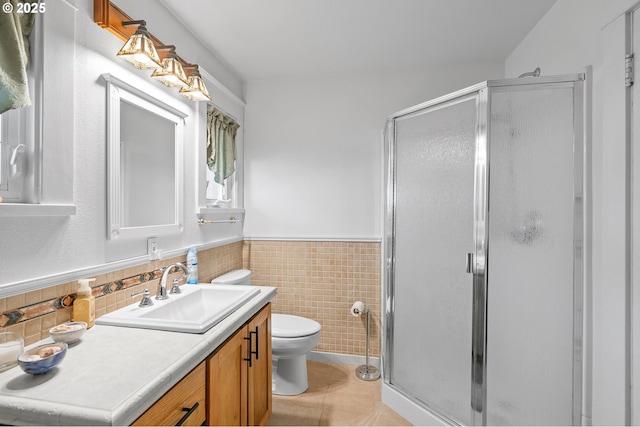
175 289
146 300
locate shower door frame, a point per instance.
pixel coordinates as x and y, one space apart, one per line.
477 263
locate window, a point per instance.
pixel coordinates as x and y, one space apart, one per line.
221 158
40 180
20 166
19 162
220 194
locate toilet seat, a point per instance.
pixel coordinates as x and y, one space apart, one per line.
288 326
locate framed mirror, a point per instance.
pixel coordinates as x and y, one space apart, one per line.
144 163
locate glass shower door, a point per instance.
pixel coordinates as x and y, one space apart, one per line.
535 256
493 172
433 222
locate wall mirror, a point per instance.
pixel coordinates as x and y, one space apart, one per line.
144 163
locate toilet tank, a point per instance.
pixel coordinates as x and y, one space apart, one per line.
235 277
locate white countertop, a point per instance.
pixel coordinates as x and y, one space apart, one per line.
113 374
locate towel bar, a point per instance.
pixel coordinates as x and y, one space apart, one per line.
232 220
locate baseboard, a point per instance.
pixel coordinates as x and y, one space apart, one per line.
344 359
410 410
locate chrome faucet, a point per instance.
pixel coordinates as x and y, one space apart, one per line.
162 285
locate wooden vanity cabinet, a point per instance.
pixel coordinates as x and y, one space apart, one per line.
227 383
232 387
184 404
239 375
259 378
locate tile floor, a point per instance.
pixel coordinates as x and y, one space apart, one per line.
335 398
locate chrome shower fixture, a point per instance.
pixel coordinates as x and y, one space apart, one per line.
534 73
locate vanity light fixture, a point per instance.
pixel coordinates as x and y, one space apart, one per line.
171 74
139 49
196 90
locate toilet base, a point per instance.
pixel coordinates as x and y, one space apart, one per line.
290 375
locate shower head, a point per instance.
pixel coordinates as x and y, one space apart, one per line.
534 73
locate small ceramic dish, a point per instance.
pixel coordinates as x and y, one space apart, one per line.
68 332
43 358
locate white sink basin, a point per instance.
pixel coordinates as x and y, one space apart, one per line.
197 309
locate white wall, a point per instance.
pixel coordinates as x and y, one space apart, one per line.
573 35
38 251
313 147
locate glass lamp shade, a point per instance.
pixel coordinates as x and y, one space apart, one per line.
196 90
171 74
140 51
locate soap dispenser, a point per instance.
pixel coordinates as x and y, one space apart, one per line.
84 307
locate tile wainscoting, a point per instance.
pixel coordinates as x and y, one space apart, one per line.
32 314
315 279
321 280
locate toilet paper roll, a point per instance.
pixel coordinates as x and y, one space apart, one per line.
357 308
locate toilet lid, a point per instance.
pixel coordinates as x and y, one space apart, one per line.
233 277
288 326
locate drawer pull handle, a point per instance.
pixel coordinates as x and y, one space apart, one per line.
188 414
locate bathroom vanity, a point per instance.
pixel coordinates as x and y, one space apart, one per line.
122 376
236 379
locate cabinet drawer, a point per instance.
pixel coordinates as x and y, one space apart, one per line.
175 404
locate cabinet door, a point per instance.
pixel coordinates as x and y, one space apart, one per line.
259 380
185 398
227 382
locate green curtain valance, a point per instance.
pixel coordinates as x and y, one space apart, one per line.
15 29
221 144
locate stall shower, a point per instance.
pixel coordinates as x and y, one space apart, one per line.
483 254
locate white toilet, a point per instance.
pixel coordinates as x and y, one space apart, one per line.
292 338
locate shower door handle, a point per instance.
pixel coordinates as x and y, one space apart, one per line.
469 263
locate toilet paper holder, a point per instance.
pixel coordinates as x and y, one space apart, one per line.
365 372
358 308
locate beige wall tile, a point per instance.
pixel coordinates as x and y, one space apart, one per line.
37 321
321 280
33 297
16 301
